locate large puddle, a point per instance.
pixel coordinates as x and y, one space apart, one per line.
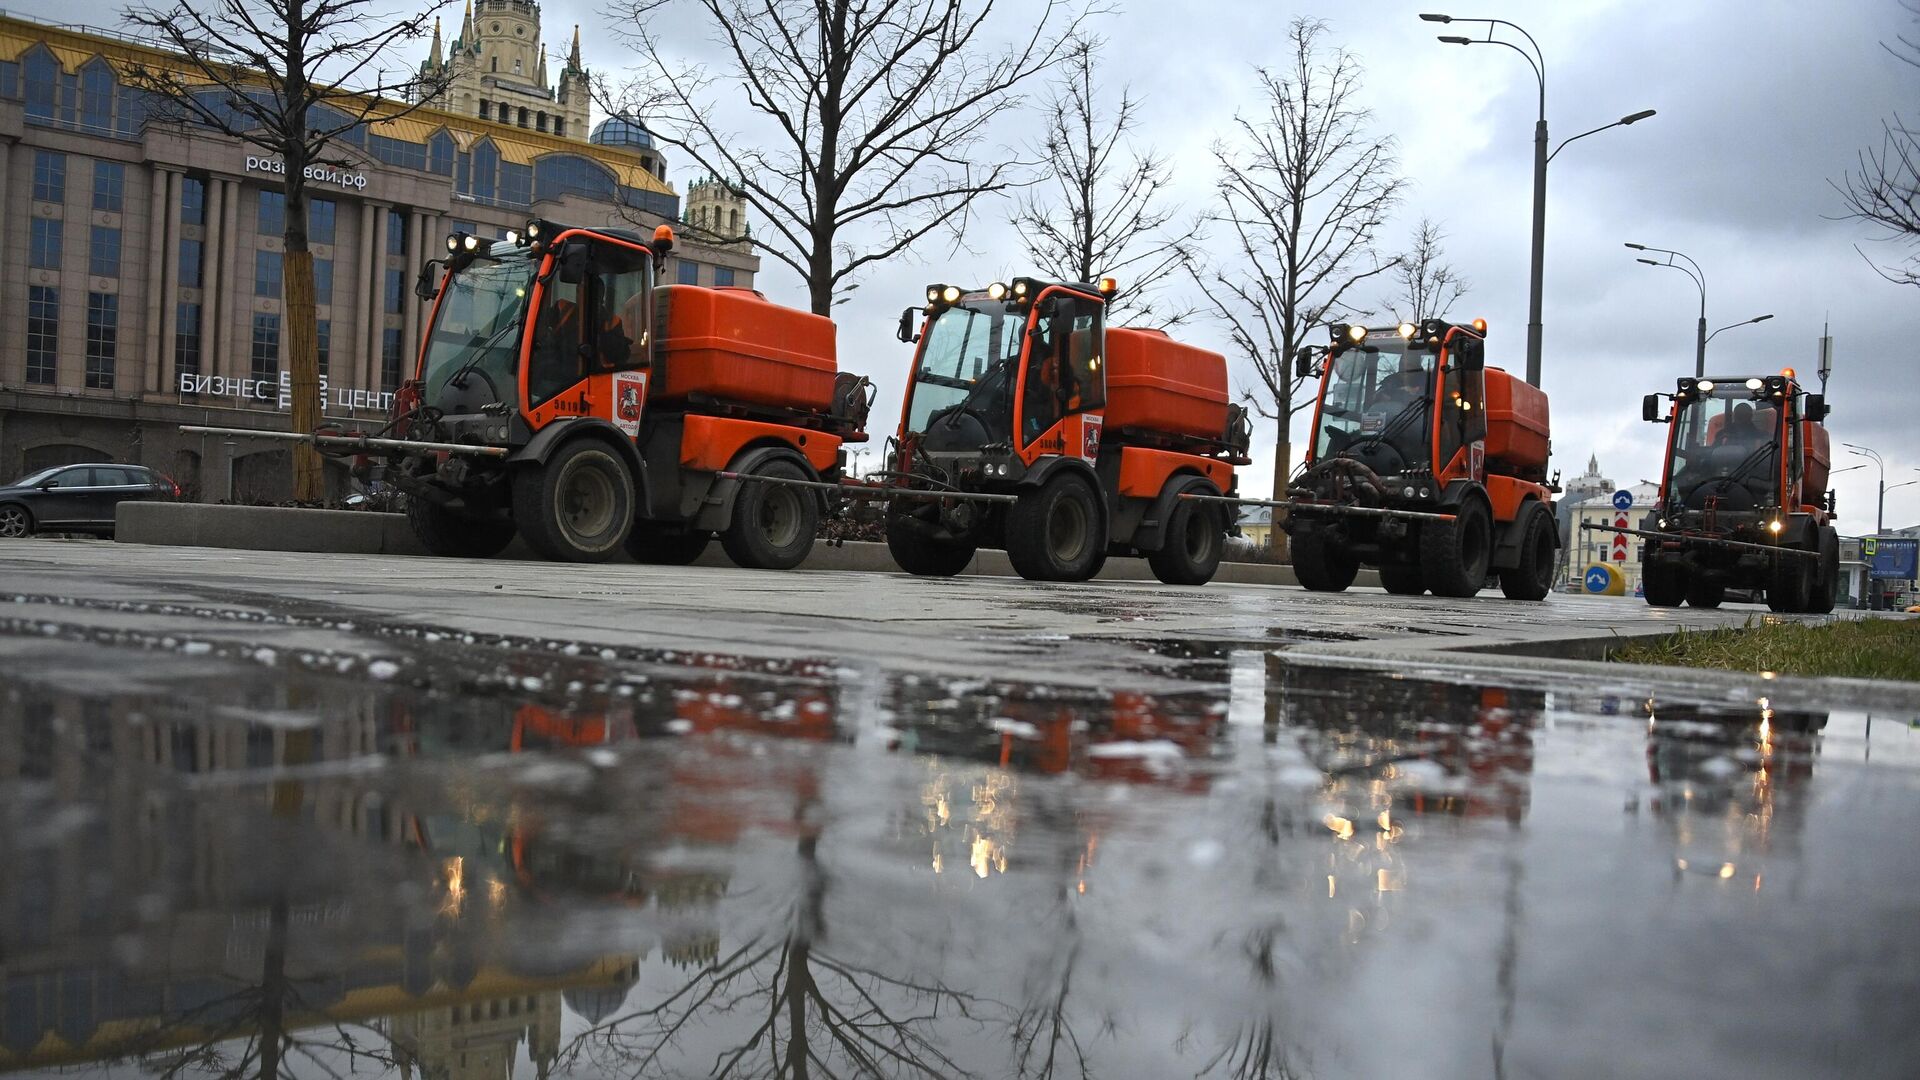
493 858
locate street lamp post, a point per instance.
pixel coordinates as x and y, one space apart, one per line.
1541 156
1699 276
1880 516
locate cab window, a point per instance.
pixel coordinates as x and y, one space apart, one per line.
598 323
1066 365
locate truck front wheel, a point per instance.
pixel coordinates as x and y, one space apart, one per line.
1058 533
1454 556
649 543
1664 583
1790 585
1194 541
774 525
1402 580
1318 565
443 532
922 555
578 506
1828 581
1532 579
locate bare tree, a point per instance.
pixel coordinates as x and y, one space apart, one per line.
1885 191
1302 193
1428 286
290 77
872 117
1100 209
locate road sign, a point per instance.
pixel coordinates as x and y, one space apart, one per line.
1604 580
1623 500
1895 560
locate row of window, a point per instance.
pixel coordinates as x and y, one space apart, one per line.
43 336
504 111
689 274
50 181
46 244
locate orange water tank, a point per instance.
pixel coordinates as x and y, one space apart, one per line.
1517 429
1155 383
1816 458
736 345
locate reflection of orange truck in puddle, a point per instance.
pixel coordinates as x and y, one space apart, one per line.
1730 785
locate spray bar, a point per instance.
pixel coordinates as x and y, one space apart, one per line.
352 442
1323 508
865 491
1691 538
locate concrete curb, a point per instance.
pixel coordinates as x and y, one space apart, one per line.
356 532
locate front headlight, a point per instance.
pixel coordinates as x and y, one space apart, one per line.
1407 491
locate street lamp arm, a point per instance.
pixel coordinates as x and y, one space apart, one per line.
1622 122
1742 322
1697 279
1535 58
1890 487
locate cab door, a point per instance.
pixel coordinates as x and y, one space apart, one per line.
1063 382
593 336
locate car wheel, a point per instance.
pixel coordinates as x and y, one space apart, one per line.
651 544
1058 533
1193 542
443 532
1454 555
774 525
1317 565
578 507
16 521
1533 578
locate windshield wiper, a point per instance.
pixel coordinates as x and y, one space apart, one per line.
459 378
1391 426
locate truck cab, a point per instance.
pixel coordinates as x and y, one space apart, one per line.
1744 479
1425 464
1028 424
562 395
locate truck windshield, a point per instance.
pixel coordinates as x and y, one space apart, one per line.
1377 391
1724 448
474 330
967 362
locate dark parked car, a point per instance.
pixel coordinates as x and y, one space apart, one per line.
76 498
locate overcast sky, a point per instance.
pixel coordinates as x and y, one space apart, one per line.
1761 103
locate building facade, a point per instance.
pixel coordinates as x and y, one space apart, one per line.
1590 546
146 294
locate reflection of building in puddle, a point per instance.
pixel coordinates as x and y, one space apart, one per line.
1730 784
1388 750
481 1038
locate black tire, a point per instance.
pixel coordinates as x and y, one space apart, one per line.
1704 596
1821 603
1191 543
1454 556
1318 565
1533 578
454 535
656 546
1402 580
1790 584
578 507
1664 584
1058 532
773 525
16 522
922 555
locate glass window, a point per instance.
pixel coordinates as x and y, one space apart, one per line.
323 343
273 214
43 243
396 291
103 252
190 258
266 273
966 361
406 155
133 112
193 201
1379 392
516 184
323 281
109 186
49 176
390 359
43 333
1724 444
556 175
463 172
96 96
186 340
103 331
265 355
440 153
486 167
320 217
396 233
689 273
723 276
474 325
43 83
1063 374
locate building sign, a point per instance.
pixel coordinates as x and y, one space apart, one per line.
319 174
279 392
1895 560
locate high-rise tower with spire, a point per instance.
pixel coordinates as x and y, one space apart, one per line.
496 70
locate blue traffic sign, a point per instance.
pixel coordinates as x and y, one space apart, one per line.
1623 500
1598 579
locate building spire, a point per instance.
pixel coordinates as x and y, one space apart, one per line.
434 58
1593 464
573 58
466 26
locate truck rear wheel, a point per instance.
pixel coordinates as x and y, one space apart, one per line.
922 555
651 544
1664 583
1454 556
443 532
1828 581
1058 533
774 525
1193 542
578 507
1532 579
1318 566
1704 596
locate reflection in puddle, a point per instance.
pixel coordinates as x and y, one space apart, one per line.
520 861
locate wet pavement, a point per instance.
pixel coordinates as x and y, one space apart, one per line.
271 818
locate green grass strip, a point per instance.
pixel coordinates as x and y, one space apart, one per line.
1860 649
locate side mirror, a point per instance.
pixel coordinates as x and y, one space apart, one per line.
573 263
1303 363
49 485
428 282
906 331
1816 407
1650 409
1473 355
